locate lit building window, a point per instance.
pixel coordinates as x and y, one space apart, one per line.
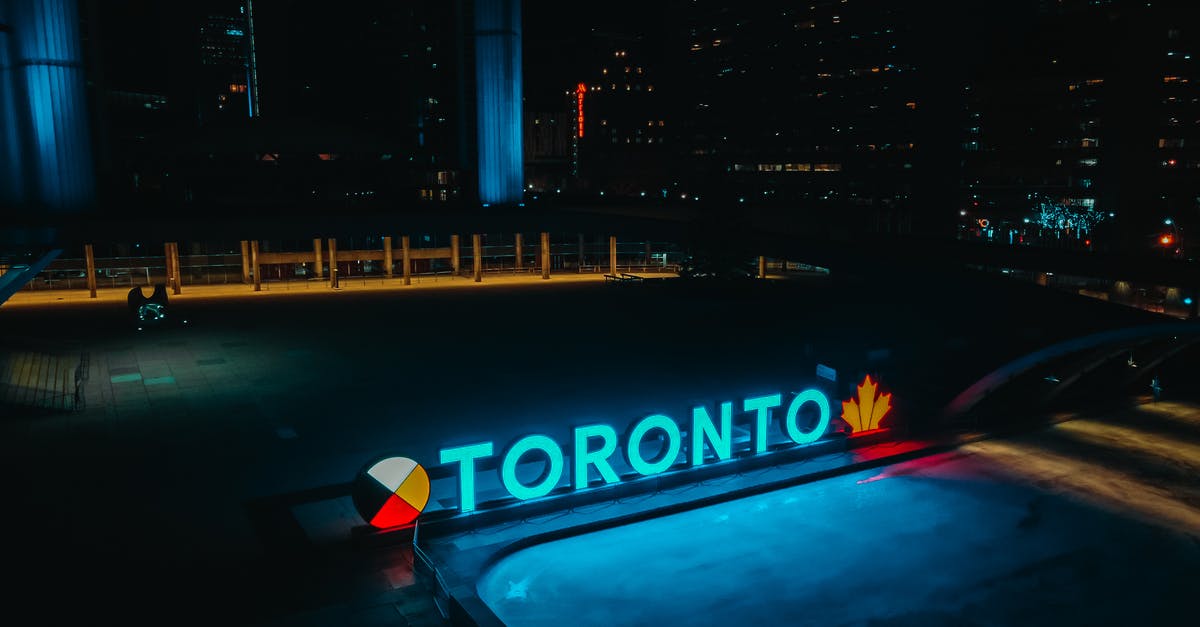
1170 142
1089 142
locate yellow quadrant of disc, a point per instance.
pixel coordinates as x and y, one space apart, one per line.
415 489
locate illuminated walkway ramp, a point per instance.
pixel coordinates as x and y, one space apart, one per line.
960 537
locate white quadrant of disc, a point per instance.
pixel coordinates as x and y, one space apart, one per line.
392 472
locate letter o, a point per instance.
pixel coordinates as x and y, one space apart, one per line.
549 478
793 430
633 445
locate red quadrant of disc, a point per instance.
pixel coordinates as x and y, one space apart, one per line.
395 512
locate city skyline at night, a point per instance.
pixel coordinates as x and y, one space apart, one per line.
518 312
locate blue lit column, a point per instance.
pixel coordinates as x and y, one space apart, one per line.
11 172
45 152
498 100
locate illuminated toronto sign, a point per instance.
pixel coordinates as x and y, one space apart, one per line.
394 490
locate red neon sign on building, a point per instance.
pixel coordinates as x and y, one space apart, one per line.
580 90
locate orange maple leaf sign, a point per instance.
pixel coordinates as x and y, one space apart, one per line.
865 413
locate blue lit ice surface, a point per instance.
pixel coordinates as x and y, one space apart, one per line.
919 548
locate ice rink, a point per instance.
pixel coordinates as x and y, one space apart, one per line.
960 538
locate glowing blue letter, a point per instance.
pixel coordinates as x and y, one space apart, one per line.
793 430
583 456
703 428
466 456
633 447
550 476
762 405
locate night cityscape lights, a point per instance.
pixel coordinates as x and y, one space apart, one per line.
524 312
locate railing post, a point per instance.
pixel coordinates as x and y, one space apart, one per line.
317 257
612 254
254 267
173 268
387 257
454 258
477 248
404 245
333 270
245 261
91 269
545 255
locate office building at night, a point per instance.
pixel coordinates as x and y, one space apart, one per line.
622 132
1086 143
819 109
229 61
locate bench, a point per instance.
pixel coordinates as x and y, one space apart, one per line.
622 278
631 277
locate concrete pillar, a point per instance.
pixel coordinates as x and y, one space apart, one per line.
454 260
387 256
612 254
166 264
333 272
90 257
168 267
174 268
407 259
517 246
245 261
545 255
1041 278
477 252
580 251
762 267
317 257
254 267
